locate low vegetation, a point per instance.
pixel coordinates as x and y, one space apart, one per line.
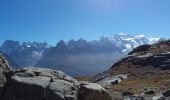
141 85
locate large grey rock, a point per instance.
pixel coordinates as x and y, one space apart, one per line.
158 97
166 93
4 69
107 81
40 84
92 91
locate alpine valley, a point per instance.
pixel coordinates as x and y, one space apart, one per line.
75 57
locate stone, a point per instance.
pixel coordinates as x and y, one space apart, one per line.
127 94
166 93
134 98
158 97
40 84
150 92
4 70
92 91
111 80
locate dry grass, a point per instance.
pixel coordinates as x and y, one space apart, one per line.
83 78
140 85
142 78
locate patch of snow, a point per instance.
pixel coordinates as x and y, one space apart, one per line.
28 46
47 46
125 50
128 46
37 54
122 34
128 39
133 41
140 36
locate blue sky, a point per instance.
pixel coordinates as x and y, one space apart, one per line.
53 20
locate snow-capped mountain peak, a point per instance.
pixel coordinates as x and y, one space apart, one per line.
128 42
27 53
140 36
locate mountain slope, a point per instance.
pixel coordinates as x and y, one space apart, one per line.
154 56
144 73
23 54
79 57
83 57
130 42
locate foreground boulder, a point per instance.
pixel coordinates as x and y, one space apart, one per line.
92 91
34 83
4 69
40 84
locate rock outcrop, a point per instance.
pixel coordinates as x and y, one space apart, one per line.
4 69
154 57
92 91
34 83
40 84
107 81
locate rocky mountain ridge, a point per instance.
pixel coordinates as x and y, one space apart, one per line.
91 57
25 53
139 76
86 57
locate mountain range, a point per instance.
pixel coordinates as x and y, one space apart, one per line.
144 74
23 54
75 57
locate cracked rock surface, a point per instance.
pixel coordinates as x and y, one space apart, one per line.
4 69
40 84
33 83
92 91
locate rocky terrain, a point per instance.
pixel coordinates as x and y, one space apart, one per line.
45 84
143 75
75 57
91 57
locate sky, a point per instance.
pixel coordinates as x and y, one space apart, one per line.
53 20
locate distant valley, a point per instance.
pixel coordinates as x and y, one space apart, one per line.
75 57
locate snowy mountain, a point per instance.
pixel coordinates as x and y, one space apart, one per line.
75 57
130 42
24 54
83 57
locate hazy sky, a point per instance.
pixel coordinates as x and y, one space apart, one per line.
52 20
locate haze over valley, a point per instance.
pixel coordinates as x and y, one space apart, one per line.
75 57
84 50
